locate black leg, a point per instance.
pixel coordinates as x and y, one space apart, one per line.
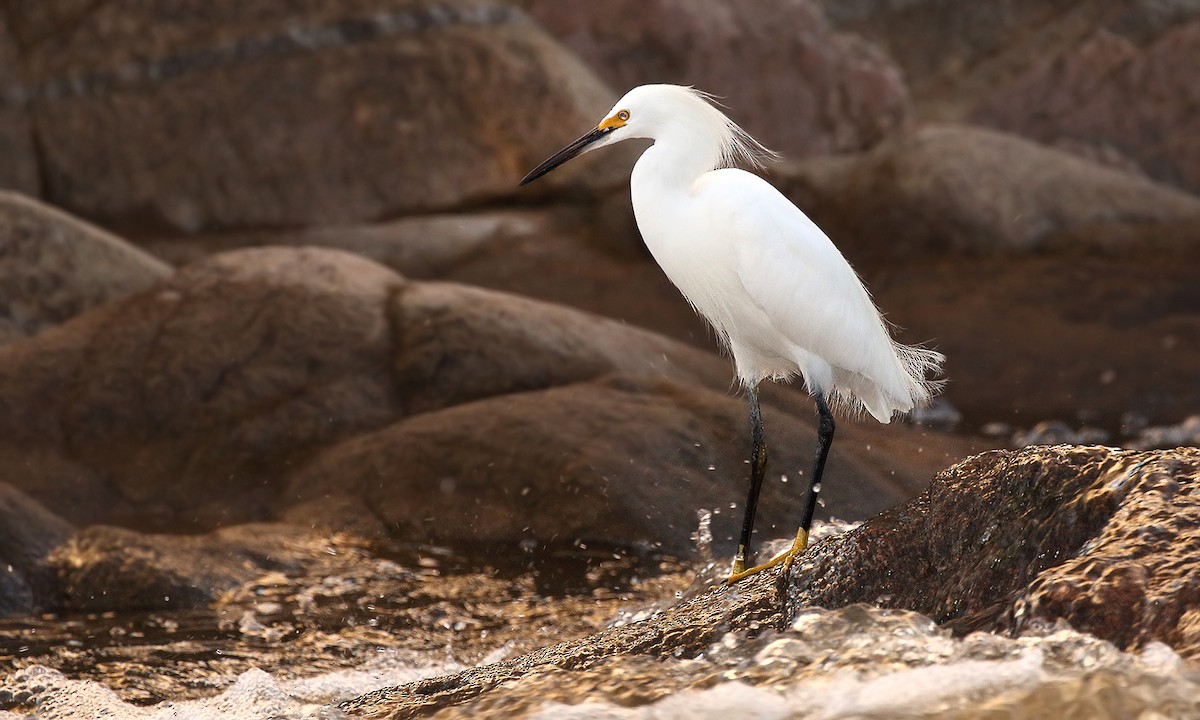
758 468
825 428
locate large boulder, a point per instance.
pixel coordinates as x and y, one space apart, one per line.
977 191
1016 541
587 257
535 421
1109 98
19 171
796 85
52 267
257 381
177 406
1046 279
227 114
622 461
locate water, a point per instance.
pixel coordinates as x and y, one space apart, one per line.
295 647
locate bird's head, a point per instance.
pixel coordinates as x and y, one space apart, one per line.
621 123
656 111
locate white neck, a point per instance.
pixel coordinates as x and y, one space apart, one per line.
677 160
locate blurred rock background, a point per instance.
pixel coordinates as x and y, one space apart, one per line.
269 261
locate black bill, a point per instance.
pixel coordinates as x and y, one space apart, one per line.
565 154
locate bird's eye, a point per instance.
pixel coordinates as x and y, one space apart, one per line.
623 115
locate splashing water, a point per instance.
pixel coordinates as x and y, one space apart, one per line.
855 662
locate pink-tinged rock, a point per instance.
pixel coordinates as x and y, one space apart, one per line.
1109 98
784 74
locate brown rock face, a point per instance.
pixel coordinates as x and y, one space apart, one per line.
462 344
623 460
1058 336
211 115
787 78
1081 100
52 267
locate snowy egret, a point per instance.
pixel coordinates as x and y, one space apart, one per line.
779 294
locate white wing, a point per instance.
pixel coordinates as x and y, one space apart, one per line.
793 272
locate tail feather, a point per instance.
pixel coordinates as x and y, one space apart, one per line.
913 383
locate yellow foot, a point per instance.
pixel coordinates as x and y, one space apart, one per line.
740 572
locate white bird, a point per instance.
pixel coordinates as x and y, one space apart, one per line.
781 297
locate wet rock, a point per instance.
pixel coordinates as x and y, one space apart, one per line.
1010 540
786 76
52 267
1168 436
975 191
28 532
1080 100
180 406
1018 540
104 568
235 114
19 171
1057 432
940 414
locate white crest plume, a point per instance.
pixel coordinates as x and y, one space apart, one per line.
738 147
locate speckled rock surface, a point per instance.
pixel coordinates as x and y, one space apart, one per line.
785 75
1014 540
54 266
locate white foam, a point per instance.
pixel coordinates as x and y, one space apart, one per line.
840 696
887 665
253 695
